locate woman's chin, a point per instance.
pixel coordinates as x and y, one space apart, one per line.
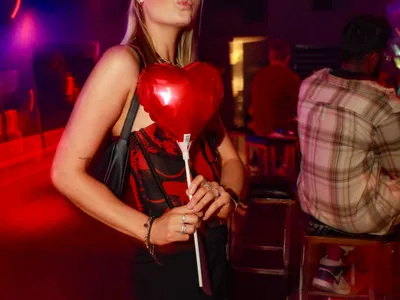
183 20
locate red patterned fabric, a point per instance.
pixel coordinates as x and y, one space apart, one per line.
166 158
146 196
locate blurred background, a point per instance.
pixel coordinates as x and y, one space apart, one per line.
48 249
48 49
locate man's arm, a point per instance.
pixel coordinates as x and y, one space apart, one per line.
386 204
387 145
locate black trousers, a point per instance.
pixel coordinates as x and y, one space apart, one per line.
176 278
317 228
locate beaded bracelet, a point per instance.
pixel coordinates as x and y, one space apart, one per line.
150 246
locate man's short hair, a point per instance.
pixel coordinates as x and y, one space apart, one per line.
364 35
279 49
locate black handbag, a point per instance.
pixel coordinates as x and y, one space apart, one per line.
111 164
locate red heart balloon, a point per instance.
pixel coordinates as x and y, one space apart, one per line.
180 100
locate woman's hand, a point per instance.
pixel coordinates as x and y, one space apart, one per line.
176 225
209 195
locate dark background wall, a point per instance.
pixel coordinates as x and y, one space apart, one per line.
44 23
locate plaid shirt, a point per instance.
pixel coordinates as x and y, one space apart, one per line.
349 134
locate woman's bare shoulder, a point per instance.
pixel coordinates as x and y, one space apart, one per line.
122 59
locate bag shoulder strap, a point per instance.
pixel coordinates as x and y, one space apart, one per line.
153 170
134 107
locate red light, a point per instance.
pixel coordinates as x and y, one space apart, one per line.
16 9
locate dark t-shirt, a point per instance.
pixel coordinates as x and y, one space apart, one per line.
274 99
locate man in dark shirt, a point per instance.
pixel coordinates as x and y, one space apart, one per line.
274 92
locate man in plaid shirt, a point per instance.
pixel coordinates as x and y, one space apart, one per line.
349 130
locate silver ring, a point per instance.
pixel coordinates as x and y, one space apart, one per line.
218 193
208 186
183 219
183 230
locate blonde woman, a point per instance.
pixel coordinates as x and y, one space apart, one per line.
159 31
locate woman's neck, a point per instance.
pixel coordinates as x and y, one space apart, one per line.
165 40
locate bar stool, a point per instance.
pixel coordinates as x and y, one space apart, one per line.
374 244
275 192
257 145
268 148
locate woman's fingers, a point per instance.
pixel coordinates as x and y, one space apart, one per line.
187 219
180 210
196 183
223 200
183 229
207 199
201 192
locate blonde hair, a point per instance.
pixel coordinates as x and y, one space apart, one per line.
137 35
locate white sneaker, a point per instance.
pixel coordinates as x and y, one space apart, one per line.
330 279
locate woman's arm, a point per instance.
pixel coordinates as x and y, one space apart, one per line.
218 196
99 107
232 170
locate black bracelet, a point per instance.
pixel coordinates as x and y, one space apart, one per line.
150 246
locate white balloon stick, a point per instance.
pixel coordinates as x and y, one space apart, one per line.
184 146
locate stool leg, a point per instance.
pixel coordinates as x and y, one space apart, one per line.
372 272
272 160
389 279
287 239
266 162
305 270
297 158
291 163
286 249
